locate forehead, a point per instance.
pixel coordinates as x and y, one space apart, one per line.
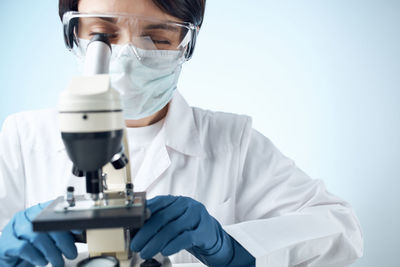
137 7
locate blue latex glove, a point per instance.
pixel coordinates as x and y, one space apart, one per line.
178 223
20 246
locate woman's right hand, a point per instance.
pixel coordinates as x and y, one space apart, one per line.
20 246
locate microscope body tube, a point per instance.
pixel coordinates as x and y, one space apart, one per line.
90 115
98 55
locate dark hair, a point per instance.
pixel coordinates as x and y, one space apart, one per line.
186 10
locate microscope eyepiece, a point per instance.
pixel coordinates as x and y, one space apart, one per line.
98 54
101 37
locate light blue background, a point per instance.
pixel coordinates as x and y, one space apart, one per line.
321 79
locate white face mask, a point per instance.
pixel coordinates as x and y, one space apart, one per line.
144 90
145 85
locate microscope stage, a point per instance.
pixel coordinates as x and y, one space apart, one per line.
52 219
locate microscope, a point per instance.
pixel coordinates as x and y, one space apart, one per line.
93 131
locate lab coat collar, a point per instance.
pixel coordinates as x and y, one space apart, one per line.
181 133
149 172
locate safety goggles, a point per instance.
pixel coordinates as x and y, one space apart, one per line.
146 35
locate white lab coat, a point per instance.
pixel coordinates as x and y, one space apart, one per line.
262 199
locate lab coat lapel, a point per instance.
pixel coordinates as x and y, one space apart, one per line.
179 133
155 162
180 129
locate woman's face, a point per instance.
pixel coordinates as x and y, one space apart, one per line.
145 34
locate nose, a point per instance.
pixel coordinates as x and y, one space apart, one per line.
128 34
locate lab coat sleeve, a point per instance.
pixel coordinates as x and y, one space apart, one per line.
286 218
12 184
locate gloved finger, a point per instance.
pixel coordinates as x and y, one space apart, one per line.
45 204
42 241
184 239
34 211
10 247
24 264
47 247
187 221
77 232
65 243
155 223
157 203
22 249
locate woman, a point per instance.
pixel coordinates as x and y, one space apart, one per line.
219 189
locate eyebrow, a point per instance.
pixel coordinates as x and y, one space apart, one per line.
161 27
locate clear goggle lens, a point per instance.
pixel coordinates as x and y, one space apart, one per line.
147 37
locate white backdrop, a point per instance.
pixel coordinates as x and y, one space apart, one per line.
320 79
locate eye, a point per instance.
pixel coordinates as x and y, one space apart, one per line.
109 35
160 40
165 42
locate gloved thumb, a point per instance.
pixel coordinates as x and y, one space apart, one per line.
45 204
34 211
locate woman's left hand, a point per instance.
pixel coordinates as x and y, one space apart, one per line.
178 223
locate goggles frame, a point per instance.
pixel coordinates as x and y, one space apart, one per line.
70 21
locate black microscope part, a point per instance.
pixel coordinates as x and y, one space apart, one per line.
121 162
129 186
94 183
77 172
150 263
101 37
91 151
